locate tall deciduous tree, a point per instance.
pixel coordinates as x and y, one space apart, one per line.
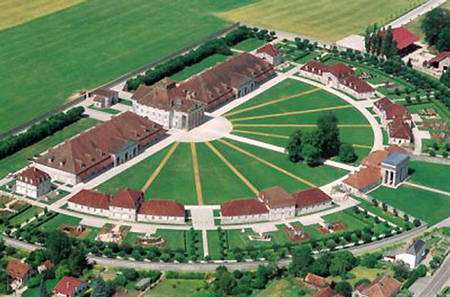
434 22
328 135
294 147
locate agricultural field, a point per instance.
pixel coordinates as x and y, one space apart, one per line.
416 202
430 174
323 19
43 62
20 159
16 12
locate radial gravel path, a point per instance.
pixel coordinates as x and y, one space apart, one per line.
279 169
195 167
158 169
232 168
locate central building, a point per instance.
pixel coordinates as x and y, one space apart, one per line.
182 105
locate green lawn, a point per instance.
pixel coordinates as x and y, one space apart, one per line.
20 159
35 292
56 222
106 109
284 287
213 244
219 183
427 206
25 216
324 19
178 288
431 175
175 239
262 174
249 44
42 61
199 67
379 212
348 218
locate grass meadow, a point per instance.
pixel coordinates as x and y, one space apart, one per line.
46 60
324 19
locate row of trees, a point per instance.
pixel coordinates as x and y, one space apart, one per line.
216 46
39 131
322 142
380 41
436 27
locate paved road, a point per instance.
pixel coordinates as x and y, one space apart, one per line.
206 267
415 13
438 280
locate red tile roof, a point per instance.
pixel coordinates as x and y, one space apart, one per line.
315 67
33 176
276 197
243 207
67 286
403 37
269 49
393 148
364 178
383 286
439 57
17 269
105 92
340 70
310 197
93 149
127 198
396 110
326 292
399 129
92 199
156 207
316 280
383 103
375 158
357 84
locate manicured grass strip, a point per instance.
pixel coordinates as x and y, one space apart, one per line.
198 67
319 175
249 44
272 102
427 206
285 172
300 125
25 216
59 220
195 168
175 239
346 217
379 212
158 169
219 183
213 244
431 175
232 168
135 176
20 159
261 134
283 114
105 110
176 179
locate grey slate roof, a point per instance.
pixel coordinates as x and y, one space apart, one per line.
416 247
395 158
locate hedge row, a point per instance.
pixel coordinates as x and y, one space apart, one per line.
209 48
39 131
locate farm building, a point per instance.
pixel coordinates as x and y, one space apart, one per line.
270 53
33 183
103 97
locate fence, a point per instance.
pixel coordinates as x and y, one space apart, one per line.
118 80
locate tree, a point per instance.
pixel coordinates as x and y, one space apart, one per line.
445 77
311 154
347 153
57 246
343 288
342 262
321 265
100 288
328 135
401 271
370 260
224 282
301 260
62 270
433 23
294 147
77 261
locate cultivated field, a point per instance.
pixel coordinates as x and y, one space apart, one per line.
16 12
325 19
46 60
